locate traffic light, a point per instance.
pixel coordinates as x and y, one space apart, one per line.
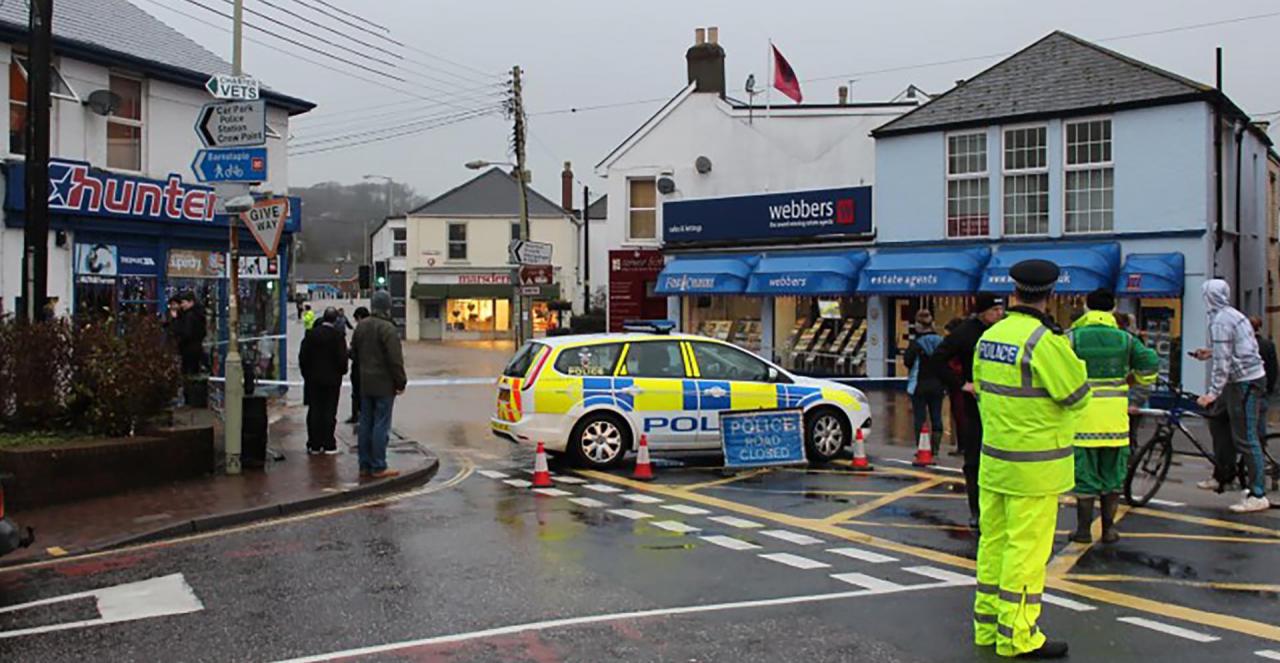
364 277
382 280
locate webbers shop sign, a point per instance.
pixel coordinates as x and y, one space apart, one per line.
844 212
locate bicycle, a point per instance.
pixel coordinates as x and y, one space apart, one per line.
1150 464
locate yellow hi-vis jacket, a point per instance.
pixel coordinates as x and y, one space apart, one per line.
1031 390
1111 355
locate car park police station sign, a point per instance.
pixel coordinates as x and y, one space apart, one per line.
772 216
757 438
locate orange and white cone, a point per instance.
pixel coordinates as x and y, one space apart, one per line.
541 475
644 471
860 463
924 449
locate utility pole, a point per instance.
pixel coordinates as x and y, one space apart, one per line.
586 250
524 321
233 387
35 236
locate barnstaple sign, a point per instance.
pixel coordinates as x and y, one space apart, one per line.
770 216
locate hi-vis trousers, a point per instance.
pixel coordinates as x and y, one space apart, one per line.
1017 538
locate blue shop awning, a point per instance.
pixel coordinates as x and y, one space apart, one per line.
1085 268
1151 275
923 272
831 273
704 276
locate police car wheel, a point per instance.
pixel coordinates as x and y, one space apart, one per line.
826 433
600 441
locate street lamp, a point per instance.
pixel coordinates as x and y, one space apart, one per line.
524 322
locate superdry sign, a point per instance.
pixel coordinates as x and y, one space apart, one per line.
770 216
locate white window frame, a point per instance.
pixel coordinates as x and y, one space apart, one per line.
984 175
449 241
657 221
141 124
1007 173
18 58
399 247
1067 168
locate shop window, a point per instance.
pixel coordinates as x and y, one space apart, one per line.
1090 177
590 360
821 335
642 209
968 197
515 230
478 315
458 241
58 88
399 242
722 362
124 125
731 318
1026 181
655 359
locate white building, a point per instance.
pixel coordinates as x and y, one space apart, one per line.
129 225
389 248
458 265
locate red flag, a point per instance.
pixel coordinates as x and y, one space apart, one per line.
784 77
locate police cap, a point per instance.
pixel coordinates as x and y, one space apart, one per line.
1034 276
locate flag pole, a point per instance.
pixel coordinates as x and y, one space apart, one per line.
768 90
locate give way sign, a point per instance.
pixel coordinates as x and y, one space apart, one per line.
266 221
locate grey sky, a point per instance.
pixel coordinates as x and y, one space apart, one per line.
577 53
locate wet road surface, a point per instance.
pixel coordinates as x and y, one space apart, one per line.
820 565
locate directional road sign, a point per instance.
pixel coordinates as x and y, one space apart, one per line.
236 164
266 221
233 123
223 86
537 274
529 252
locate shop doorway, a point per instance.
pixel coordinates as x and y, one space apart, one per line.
430 327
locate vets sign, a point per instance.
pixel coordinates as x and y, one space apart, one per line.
266 221
759 438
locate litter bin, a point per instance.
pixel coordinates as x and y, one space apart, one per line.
253 432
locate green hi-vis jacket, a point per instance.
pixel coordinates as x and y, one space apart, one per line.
1111 355
1031 389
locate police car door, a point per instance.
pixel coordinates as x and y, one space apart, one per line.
727 378
651 378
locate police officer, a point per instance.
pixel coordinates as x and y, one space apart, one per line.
1031 388
1114 357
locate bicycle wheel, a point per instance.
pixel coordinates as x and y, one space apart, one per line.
1147 470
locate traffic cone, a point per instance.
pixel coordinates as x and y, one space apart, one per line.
924 449
541 475
644 471
860 463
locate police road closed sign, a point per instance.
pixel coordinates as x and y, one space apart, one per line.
756 438
266 221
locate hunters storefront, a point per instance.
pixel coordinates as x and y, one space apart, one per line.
130 243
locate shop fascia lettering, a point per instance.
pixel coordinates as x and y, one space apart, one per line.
684 282
484 278
909 280
1004 279
789 282
77 188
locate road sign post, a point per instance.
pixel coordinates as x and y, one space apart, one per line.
233 124
236 164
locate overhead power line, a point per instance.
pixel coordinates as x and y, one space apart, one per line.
347 13
359 143
400 115
312 35
366 130
327 117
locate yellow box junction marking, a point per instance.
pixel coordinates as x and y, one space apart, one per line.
1202 584
741 476
1067 558
884 500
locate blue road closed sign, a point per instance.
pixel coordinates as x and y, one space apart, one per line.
234 164
756 438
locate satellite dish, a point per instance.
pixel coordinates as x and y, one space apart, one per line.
103 102
666 185
702 165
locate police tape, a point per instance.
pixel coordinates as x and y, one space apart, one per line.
424 382
275 337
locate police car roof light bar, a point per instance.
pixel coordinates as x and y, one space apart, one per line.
653 326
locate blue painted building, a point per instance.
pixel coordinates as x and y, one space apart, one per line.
1079 154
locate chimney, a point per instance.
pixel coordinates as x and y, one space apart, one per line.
842 93
706 61
566 187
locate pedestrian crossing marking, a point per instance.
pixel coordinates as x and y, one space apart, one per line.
867 582
587 502
552 492
864 555
517 483
1269 654
686 509
630 513
733 521
730 542
641 499
1069 604
1165 502
949 577
791 537
573 481
1176 631
675 526
602 488
493 474
795 561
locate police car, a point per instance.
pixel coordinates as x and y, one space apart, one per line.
592 396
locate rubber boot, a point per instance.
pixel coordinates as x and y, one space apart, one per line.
1109 504
1051 649
1084 519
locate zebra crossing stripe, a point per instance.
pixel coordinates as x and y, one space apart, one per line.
730 542
493 474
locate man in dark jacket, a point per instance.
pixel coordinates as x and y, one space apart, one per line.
376 346
189 328
1267 348
360 314
960 344
323 361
